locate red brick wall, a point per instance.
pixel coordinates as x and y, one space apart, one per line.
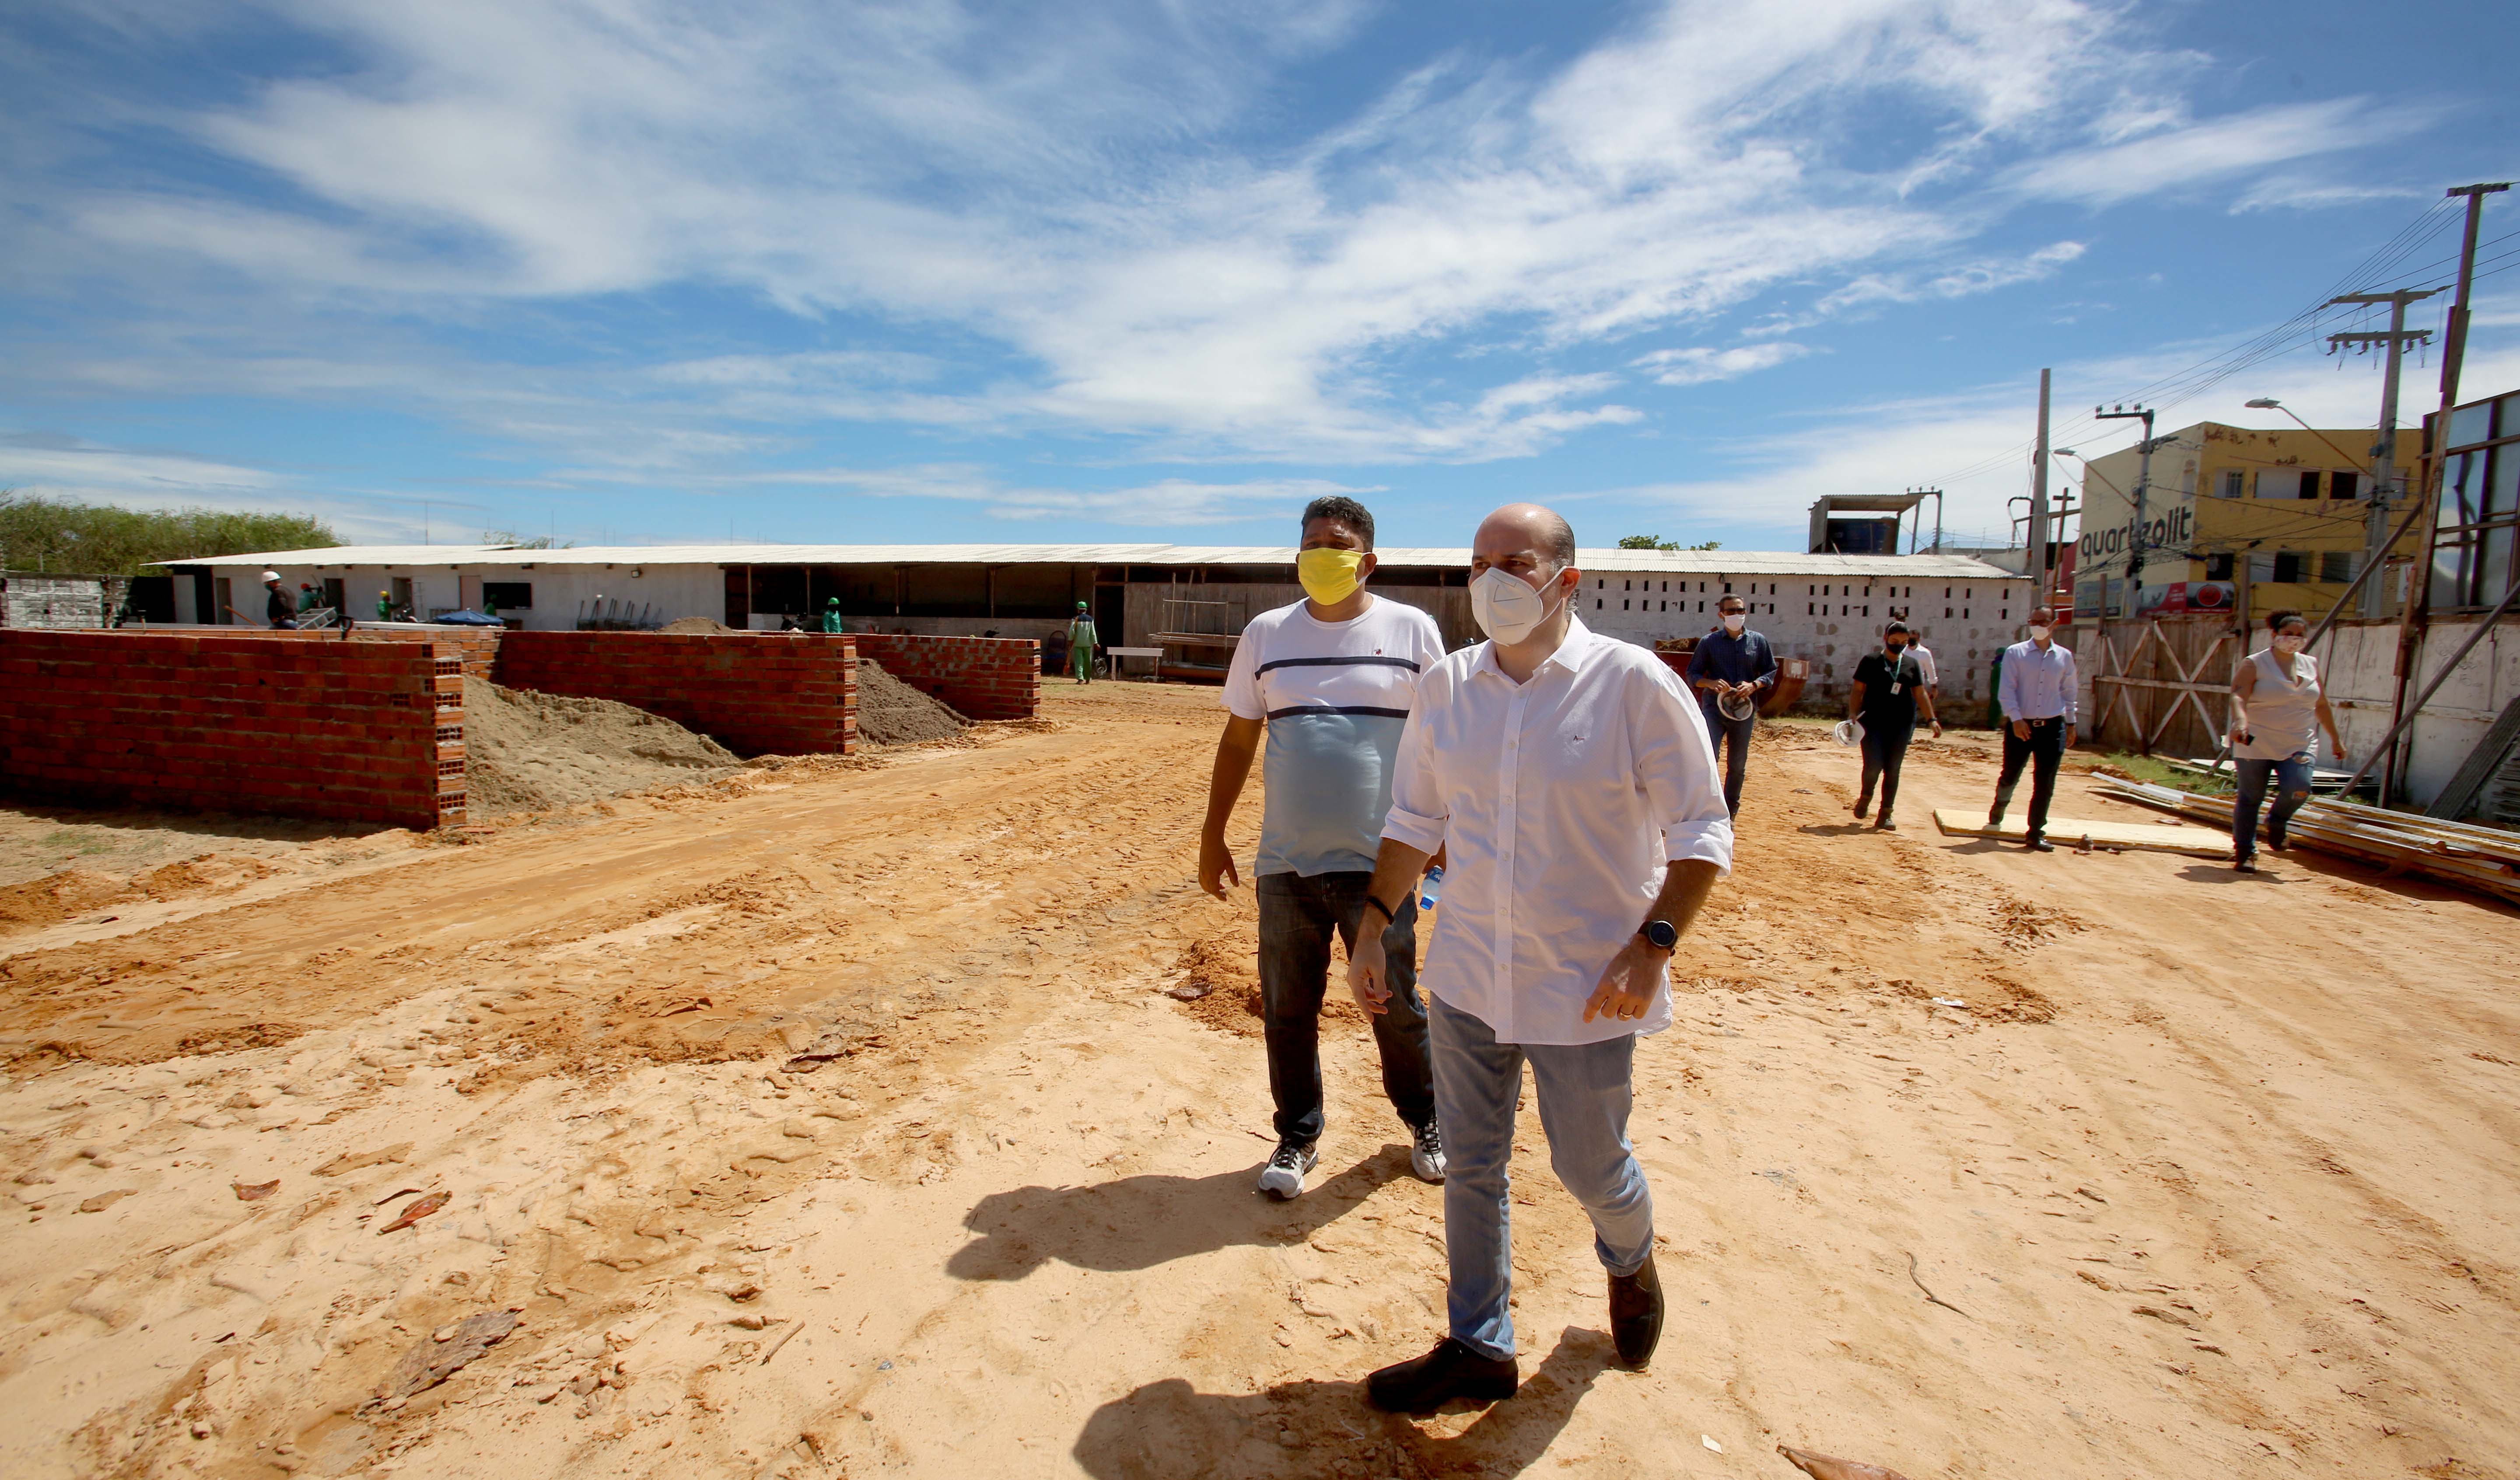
982 677
478 646
356 730
756 693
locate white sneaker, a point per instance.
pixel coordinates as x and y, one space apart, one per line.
1426 1157
1284 1177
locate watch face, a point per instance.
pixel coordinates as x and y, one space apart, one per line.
1661 933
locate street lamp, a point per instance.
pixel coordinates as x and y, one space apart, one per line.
2270 403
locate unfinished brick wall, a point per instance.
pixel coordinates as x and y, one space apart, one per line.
756 693
477 647
982 677
361 732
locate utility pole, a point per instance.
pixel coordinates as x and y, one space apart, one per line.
2142 489
1916 531
2384 452
2035 567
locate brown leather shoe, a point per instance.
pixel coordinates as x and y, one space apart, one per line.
1451 1371
1635 1315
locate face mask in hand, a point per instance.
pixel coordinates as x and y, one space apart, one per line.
1328 574
1505 607
2288 643
1734 622
2039 633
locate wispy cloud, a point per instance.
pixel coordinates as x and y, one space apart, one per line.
2214 150
1698 366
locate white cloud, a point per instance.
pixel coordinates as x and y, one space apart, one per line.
1164 502
1061 184
1699 366
2217 149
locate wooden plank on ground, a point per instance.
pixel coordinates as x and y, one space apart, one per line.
2069 832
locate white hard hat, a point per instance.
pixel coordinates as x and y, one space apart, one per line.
1849 731
271 575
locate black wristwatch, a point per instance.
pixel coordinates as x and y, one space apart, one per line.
1661 934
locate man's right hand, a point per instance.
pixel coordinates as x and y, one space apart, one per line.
2022 729
1216 872
1367 981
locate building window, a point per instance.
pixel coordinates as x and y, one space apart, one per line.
2235 483
509 595
1596 603
2344 485
2218 567
2284 567
2336 564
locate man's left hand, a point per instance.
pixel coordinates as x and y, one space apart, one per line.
1628 984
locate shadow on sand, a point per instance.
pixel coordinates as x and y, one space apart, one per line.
1170 1429
1137 1223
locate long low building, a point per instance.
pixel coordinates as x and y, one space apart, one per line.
1189 600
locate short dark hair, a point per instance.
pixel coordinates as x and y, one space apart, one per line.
1729 600
1557 537
1345 509
2277 621
1899 628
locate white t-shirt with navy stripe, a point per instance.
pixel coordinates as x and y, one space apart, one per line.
1336 695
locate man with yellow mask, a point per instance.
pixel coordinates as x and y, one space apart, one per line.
1332 680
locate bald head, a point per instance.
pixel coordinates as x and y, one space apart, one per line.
1527 527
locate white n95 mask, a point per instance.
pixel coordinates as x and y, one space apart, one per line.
1505 605
2037 633
1733 622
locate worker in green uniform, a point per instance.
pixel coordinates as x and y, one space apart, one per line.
831 616
308 598
1081 639
384 607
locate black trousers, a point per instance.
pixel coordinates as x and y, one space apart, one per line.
1885 750
1298 914
2045 749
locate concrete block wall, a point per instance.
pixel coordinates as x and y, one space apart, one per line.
356 732
58 603
981 678
756 693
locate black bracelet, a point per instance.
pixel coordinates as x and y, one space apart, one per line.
1379 905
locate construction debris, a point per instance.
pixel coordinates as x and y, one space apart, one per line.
444 1352
2465 854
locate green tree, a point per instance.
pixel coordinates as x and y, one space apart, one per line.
39 533
515 541
1657 542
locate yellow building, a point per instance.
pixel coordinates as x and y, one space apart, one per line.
2235 518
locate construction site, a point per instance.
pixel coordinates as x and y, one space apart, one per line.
602 1054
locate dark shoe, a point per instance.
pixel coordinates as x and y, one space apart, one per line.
1451 1371
1863 804
1635 1316
2037 842
1885 824
2245 864
2279 841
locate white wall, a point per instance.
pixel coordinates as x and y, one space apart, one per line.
2359 662
1830 621
671 592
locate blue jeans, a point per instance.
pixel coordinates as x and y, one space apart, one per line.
1584 1099
1298 914
2292 788
1732 741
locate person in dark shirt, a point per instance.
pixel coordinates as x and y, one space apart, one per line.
1889 691
277 608
1733 663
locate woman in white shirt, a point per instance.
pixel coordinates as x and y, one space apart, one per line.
2275 696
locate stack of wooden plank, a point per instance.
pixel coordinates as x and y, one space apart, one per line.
2474 856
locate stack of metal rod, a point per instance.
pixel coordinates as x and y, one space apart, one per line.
2465 854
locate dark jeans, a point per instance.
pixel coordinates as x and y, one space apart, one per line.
2045 749
2292 788
1297 915
1731 737
1885 750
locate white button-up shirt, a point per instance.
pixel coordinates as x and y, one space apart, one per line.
1560 799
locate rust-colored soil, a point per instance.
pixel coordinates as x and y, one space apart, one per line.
841 1118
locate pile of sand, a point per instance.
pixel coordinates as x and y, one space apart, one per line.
696 626
530 752
892 713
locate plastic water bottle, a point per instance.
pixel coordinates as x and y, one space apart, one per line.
1430 889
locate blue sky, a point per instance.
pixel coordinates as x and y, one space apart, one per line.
632 271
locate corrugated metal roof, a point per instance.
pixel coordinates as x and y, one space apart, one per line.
1659 562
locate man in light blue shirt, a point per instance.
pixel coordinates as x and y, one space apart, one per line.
2041 698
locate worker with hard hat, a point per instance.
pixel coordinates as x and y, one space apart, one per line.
1081 638
832 622
384 606
276 608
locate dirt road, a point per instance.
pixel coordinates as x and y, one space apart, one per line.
838 1121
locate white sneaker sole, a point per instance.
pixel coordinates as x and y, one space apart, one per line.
1279 1183
1425 1168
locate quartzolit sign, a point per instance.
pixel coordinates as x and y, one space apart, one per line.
2169 532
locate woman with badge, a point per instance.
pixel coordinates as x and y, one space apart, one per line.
2275 697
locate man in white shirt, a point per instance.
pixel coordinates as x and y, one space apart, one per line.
1333 678
1569 779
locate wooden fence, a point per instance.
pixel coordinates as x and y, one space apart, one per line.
2158 685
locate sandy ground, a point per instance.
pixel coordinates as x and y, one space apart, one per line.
840 1122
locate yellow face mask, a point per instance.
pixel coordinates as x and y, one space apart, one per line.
1329 575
